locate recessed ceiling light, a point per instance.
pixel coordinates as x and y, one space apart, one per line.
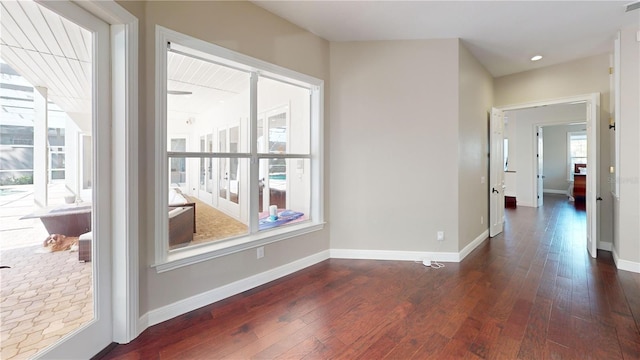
536 58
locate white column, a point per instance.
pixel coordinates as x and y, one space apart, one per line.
40 149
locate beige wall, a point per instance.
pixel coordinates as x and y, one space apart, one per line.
394 145
627 242
584 76
248 29
475 101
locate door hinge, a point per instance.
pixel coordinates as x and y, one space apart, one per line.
610 70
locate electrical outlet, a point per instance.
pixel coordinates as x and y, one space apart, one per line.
260 252
440 235
481 220
482 179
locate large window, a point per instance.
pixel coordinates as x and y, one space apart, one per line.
239 143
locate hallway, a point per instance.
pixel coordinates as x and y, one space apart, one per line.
531 293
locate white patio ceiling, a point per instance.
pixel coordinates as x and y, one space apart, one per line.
48 51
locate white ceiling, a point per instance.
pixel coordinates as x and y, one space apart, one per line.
502 35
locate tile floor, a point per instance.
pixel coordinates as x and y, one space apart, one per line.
43 296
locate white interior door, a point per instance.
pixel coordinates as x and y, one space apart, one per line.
85 342
593 207
540 166
496 173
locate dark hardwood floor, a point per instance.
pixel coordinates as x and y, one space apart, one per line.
532 292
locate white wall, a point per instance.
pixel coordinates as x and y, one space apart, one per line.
525 142
476 99
556 168
394 145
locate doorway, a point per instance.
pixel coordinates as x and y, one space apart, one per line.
561 153
524 159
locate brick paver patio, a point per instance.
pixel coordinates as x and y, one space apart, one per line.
43 296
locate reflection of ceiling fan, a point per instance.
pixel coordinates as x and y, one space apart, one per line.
178 92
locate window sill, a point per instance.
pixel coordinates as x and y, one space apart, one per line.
199 253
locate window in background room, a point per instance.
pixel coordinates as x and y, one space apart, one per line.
506 154
577 150
244 149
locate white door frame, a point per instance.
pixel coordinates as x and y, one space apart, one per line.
592 118
539 143
121 129
496 173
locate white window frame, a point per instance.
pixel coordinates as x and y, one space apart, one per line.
569 157
166 260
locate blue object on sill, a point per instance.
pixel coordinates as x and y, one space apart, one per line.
283 217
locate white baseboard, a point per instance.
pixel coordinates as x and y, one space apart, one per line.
474 244
606 246
143 324
392 255
553 191
625 264
408 255
170 311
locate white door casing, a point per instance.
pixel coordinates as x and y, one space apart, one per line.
540 165
593 161
496 173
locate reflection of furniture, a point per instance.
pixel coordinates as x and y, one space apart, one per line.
277 194
84 246
284 216
579 182
177 200
510 189
181 226
72 220
579 185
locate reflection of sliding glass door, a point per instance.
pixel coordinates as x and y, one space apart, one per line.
205 188
178 166
272 139
229 172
